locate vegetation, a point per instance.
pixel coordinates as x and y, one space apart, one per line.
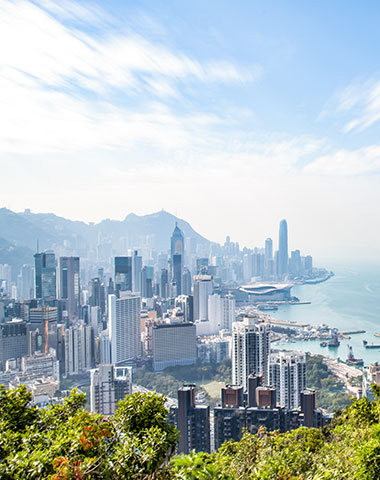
168 382
330 394
65 442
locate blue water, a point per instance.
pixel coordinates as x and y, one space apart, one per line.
348 301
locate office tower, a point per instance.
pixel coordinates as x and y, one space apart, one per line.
173 344
193 422
26 282
186 282
202 290
147 274
221 312
268 249
177 252
95 320
79 349
164 283
109 385
283 249
97 294
13 341
104 347
250 350
202 265
136 272
287 373
123 274
308 264
45 319
45 275
247 267
124 326
69 284
186 304
295 264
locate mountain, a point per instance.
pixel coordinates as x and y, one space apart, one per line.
51 231
15 256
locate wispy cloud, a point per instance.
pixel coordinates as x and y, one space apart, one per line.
358 104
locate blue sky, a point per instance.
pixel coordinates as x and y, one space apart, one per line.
232 115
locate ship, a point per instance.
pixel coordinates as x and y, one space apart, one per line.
334 342
351 360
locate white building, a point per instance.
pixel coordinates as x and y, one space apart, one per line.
221 312
109 384
79 349
173 344
104 347
202 290
250 350
124 326
287 372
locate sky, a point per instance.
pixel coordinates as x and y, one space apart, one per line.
231 115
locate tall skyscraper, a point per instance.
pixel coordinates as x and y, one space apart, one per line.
283 249
250 350
221 312
45 275
123 274
202 290
147 274
177 252
164 283
79 349
287 373
109 384
136 272
124 326
69 284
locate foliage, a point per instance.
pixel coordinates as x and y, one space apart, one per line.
67 442
330 396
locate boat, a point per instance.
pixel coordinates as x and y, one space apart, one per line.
323 344
351 360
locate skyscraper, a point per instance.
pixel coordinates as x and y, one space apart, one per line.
250 350
109 384
283 249
69 284
202 290
136 272
287 372
124 326
177 252
123 274
45 275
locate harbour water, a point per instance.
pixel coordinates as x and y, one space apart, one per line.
348 301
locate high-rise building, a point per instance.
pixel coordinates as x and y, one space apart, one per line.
164 283
45 320
250 350
124 326
97 294
147 274
123 274
186 304
69 284
109 385
136 272
193 422
186 282
287 373
202 290
221 312
26 283
45 275
295 264
283 249
173 344
177 253
13 341
79 349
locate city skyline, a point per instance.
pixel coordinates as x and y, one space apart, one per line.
274 122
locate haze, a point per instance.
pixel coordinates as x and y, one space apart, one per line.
231 115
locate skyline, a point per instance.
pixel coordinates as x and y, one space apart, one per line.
231 118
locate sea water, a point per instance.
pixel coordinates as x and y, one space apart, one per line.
348 301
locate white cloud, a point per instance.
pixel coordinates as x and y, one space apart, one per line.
362 161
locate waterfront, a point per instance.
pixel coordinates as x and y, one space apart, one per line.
350 300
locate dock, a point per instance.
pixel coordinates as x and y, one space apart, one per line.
353 332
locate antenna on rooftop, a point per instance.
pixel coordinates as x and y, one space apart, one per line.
38 246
